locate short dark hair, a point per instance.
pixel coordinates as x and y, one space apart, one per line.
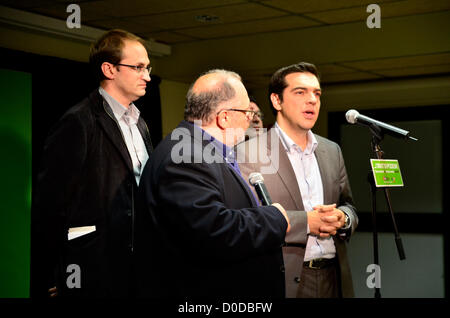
202 105
108 48
278 80
252 99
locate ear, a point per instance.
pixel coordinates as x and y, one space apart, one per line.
275 99
223 120
108 70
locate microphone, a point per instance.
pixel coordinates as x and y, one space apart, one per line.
257 181
354 117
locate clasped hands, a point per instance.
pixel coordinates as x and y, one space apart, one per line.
325 220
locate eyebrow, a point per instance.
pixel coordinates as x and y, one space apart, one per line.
304 88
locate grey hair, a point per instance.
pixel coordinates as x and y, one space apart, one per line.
202 105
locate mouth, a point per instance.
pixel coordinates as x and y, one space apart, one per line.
309 114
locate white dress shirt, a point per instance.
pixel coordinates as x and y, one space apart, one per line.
307 173
127 119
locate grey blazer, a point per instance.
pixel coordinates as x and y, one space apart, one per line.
266 154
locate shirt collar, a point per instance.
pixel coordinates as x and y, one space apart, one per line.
118 109
290 145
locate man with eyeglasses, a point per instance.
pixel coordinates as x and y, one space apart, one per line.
210 236
256 124
86 198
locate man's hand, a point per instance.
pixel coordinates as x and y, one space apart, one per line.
283 211
325 220
53 292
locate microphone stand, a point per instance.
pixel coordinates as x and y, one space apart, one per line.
377 137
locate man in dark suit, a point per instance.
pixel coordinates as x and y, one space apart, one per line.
306 174
86 194
212 238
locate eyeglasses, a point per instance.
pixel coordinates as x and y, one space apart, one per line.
139 69
259 114
246 111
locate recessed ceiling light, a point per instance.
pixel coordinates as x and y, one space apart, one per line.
206 18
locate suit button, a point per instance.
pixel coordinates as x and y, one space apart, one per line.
297 280
129 212
282 268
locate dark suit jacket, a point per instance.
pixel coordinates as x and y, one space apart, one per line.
213 239
86 178
283 188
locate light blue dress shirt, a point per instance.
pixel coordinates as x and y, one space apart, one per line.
307 173
127 119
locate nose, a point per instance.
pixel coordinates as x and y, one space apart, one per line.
147 77
312 98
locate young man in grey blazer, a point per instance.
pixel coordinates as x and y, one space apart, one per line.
306 174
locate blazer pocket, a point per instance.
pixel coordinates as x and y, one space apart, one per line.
83 242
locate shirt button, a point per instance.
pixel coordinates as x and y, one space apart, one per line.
297 280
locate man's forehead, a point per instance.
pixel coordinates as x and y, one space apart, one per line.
302 80
133 49
212 82
253 106
207 83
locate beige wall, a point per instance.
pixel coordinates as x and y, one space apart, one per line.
172 104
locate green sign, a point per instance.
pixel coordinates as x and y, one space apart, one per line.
386 173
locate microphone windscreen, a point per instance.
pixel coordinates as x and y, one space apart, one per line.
351 116
255 177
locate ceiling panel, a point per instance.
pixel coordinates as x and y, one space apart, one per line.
168 37
26 4
228 14
249 27
120 8
322 5
405 61
347 77
129 25
409 7
420 70
388 9
59 11
333 69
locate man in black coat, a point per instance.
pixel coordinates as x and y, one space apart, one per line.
210 237
86 194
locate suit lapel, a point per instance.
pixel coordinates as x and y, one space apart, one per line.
285 171
143 129
243 184
112 129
